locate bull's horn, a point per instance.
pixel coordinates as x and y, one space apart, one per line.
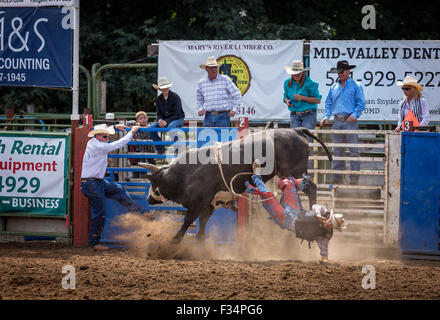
148 166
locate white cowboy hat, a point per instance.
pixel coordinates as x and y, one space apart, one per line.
211 62
337 220
319 209
410 81
296 68
162 83
101 128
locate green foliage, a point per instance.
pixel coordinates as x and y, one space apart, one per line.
114 31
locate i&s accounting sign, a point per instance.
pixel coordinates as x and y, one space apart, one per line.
36 46
33 173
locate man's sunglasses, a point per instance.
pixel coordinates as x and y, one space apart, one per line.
105 137
406 89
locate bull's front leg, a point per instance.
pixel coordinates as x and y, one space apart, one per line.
187 221
203 220
202 210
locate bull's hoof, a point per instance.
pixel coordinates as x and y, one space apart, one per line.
176 240
150 216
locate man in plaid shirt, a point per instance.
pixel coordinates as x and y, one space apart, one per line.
218 98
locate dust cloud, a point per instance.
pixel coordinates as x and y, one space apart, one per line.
264 241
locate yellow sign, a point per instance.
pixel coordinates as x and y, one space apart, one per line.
236 69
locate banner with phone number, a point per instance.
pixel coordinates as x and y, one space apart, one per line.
33 174
379 65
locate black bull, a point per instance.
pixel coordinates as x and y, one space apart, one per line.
193 181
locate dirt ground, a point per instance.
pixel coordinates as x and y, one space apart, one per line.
151 268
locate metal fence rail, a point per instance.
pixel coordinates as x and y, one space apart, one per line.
121 171
138 187
364 204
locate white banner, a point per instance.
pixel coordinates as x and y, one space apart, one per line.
38 3
256 67
379 65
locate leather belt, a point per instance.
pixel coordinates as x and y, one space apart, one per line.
87 179
301 112
216 113
341 118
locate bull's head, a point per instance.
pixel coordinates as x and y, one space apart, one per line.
154 194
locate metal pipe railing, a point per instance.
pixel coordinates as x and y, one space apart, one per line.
97 70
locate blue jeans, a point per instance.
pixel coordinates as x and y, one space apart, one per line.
340 151
96 191
154 135
259 183
221 120
288 212
305 120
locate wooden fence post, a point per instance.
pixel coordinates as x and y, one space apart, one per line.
243 205
80 204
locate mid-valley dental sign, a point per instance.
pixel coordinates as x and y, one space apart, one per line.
33 174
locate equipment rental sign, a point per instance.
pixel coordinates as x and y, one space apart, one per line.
379 65
33 173
36 45
256 67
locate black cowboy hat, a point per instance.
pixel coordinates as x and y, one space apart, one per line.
341 66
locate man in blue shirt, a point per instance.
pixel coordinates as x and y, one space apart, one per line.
346 102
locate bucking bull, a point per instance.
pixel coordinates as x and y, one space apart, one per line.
200 179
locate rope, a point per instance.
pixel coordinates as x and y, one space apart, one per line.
219 162
275 194
231 189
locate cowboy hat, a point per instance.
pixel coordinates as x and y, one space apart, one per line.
211 62
410 81
341 66
162 83
337 220
297 67
101 128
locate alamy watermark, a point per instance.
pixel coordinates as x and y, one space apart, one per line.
258 145
69 280
369 281
369 21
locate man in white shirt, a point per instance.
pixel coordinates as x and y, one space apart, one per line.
93 184
218 98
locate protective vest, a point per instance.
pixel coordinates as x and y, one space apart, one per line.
309 228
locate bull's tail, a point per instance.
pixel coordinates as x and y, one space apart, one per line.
311 135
